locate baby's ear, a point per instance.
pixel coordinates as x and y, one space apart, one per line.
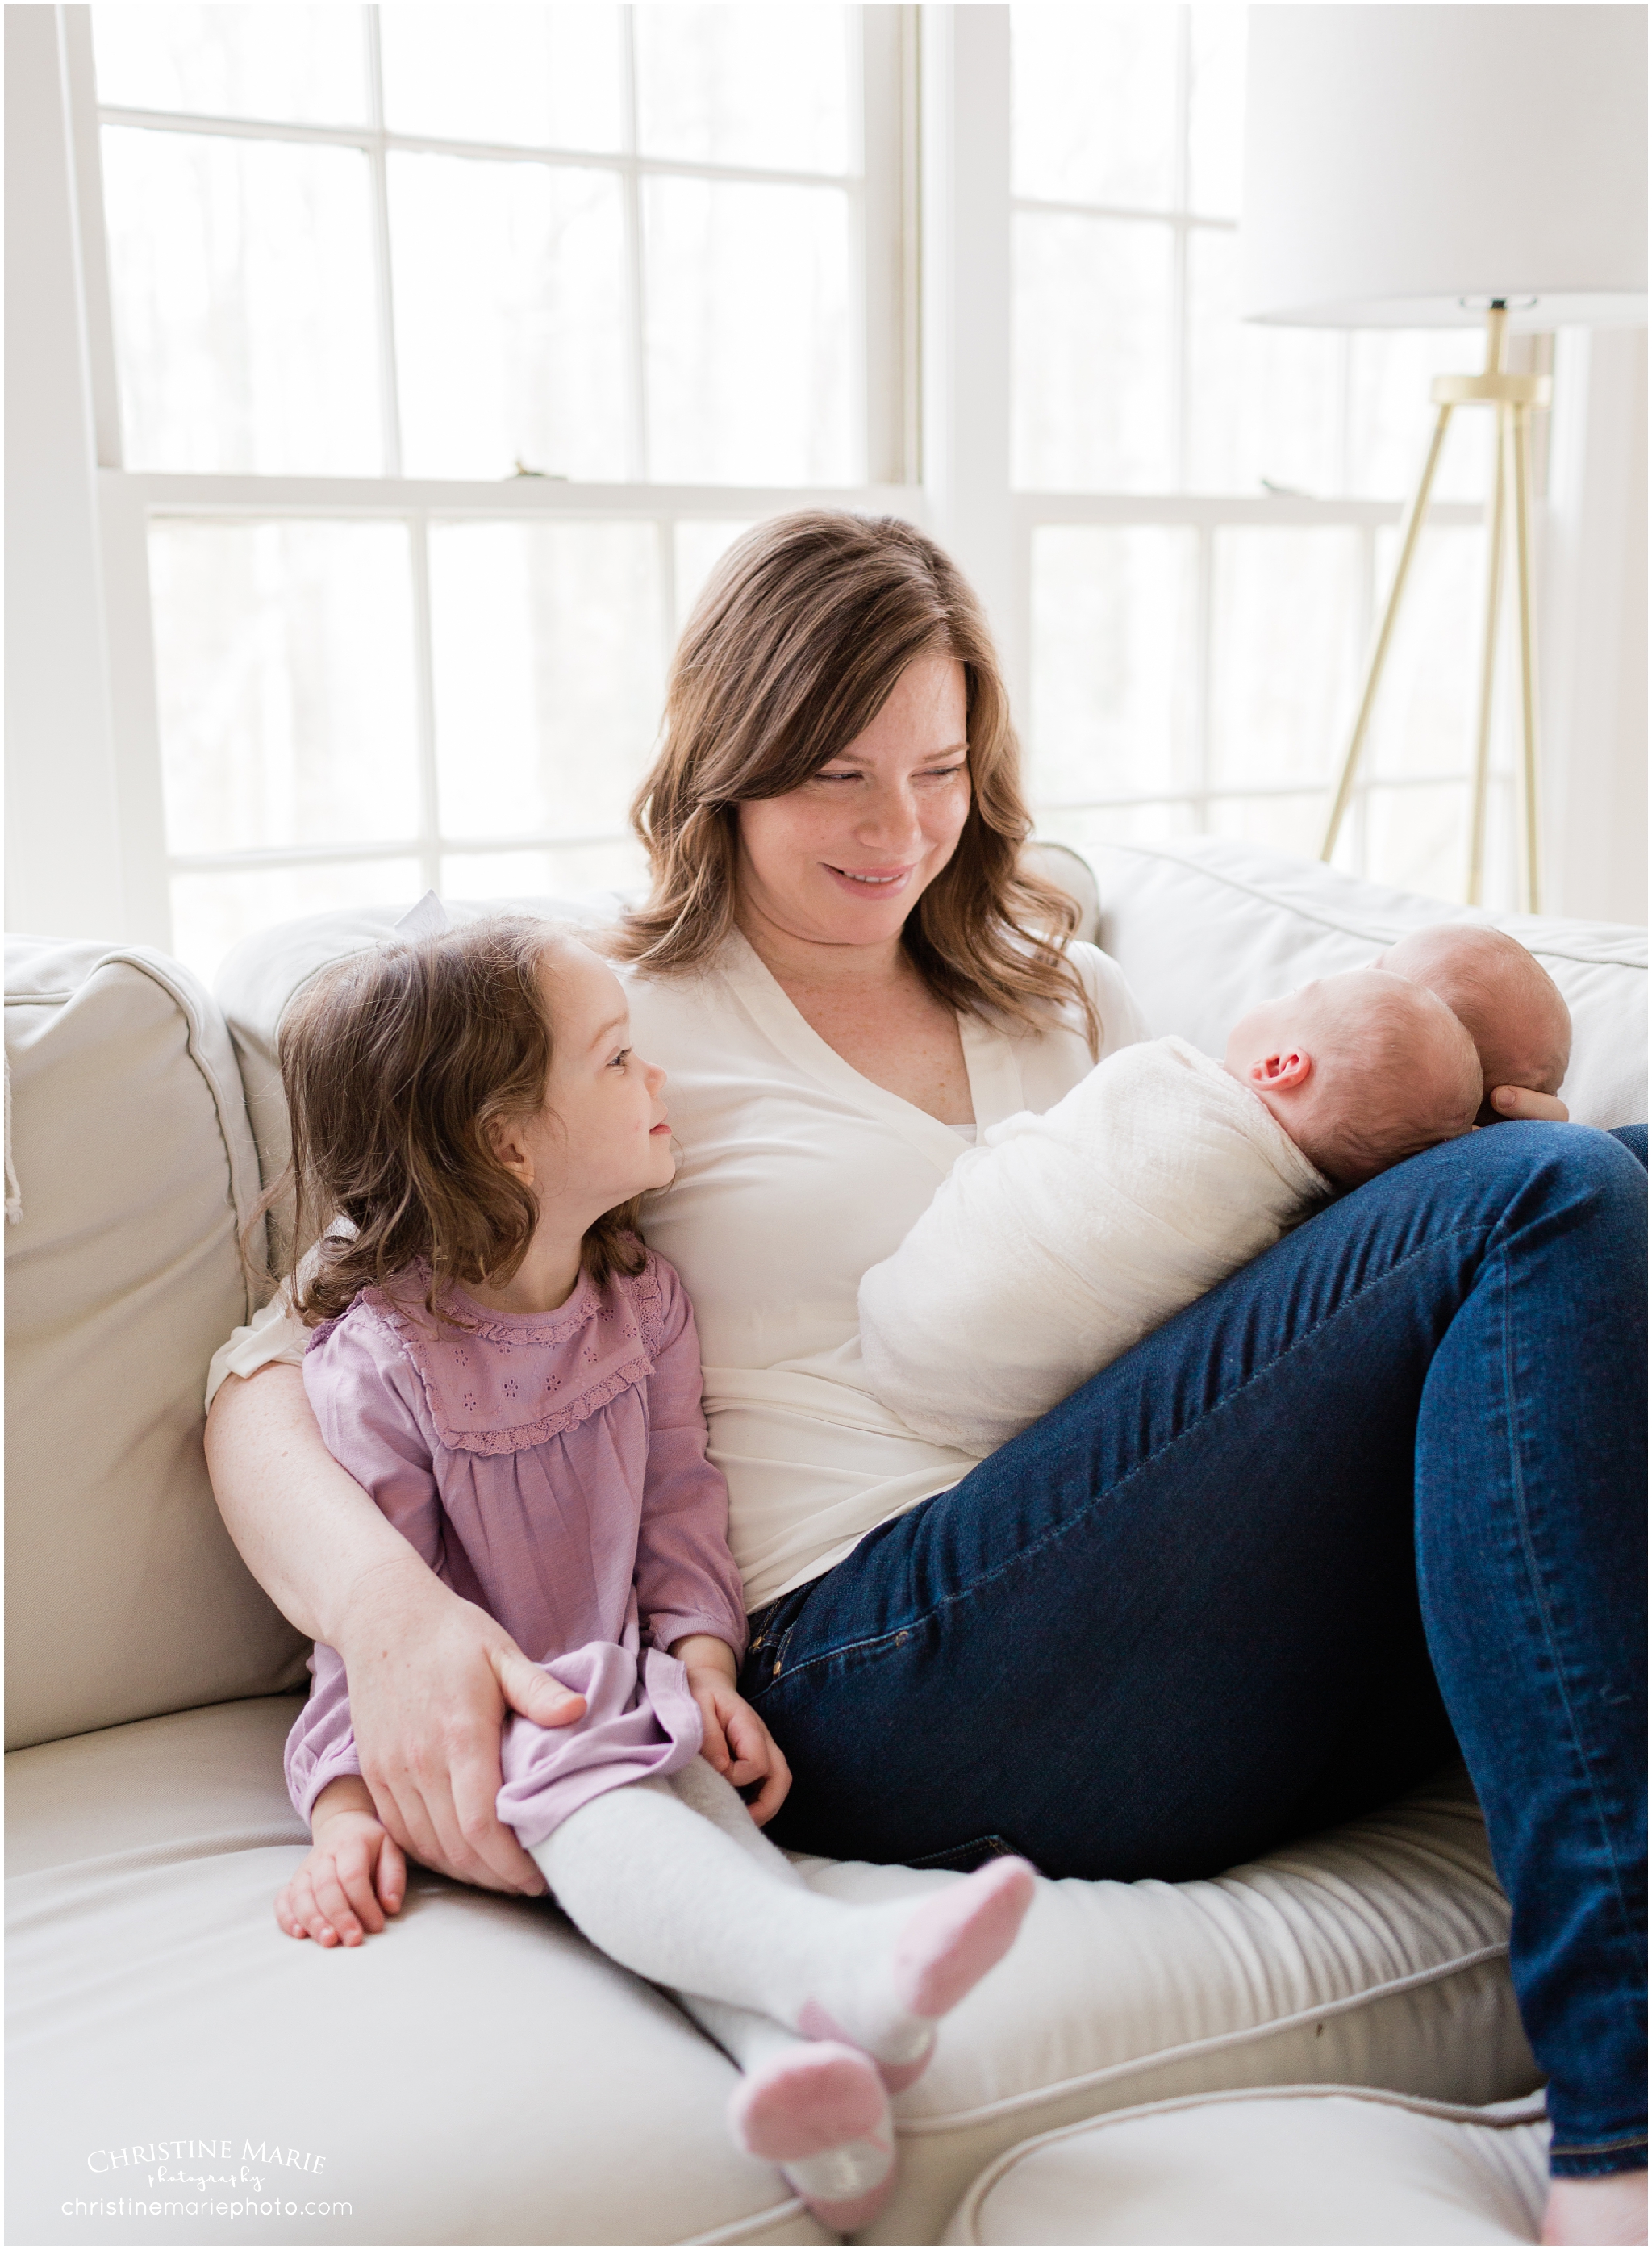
1279 1073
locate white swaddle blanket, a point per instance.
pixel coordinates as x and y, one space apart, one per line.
1065 1238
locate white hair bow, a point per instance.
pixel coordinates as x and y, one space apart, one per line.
429 918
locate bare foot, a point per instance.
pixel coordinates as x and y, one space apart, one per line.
1596 2212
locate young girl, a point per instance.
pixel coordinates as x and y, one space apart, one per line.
516 1382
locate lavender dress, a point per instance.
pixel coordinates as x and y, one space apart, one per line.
550 1468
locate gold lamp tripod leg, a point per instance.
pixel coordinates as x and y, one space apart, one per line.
1488 674
1513 397
1518 426
1385 632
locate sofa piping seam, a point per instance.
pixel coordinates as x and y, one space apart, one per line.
1465 2113
1418 1980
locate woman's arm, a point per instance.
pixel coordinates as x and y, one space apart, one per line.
431 1676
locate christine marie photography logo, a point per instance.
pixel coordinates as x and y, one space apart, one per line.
202 2179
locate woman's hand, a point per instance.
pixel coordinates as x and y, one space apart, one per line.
1523 1101
736 1742
354 1877
432 1678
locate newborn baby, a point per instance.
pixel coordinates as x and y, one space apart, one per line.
1508 1002
1068 1236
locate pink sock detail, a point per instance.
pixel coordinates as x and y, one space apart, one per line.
955 1938
810 2099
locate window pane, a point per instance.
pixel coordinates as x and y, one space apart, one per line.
1117 823
698 547
212 913
766 86
284 674
510 318
304 64
546 78
621 866
1295 825
1424 718
242 275
1418 839
1114 619
1092 344
1216 110
1094 117
1263 402
1390 418
546 640
750 352
1285 603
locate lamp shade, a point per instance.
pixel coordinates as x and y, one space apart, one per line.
1401 159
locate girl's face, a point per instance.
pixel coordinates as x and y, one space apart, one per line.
844 859
601 1136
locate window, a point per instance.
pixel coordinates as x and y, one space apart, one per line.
438 352
1209 504
452 347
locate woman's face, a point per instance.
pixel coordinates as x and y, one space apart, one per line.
843 859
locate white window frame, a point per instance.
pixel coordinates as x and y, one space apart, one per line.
129 501
967 136
87 842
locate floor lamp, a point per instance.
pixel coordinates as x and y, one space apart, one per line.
1426 166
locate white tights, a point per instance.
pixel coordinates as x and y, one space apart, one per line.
672 1879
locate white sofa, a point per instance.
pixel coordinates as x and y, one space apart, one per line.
478 2074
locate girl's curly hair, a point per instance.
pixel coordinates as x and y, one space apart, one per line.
395 1061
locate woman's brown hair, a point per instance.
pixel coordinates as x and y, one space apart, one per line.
792 651
395 1063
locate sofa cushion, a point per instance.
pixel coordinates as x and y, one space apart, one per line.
135 1167
1374 1955
474 2074
1307 2165
152 1995
1205 929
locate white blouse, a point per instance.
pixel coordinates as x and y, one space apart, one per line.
796 1175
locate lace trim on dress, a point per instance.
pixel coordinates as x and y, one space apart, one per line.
557 1327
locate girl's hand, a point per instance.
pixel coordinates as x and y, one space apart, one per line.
432 1678
353 1876
736 1742
1521 1101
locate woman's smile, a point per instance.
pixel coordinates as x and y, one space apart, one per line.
880 879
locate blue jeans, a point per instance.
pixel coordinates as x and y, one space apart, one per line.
1384 1486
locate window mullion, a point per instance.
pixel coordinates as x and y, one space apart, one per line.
1179 357
637 435
429 843
1204 667
390 399
966 296
93 233
665 531
887 219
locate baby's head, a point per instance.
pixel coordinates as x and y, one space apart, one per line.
1362 1070
444 1090
1511 1006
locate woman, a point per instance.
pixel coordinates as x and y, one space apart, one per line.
1228 1592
